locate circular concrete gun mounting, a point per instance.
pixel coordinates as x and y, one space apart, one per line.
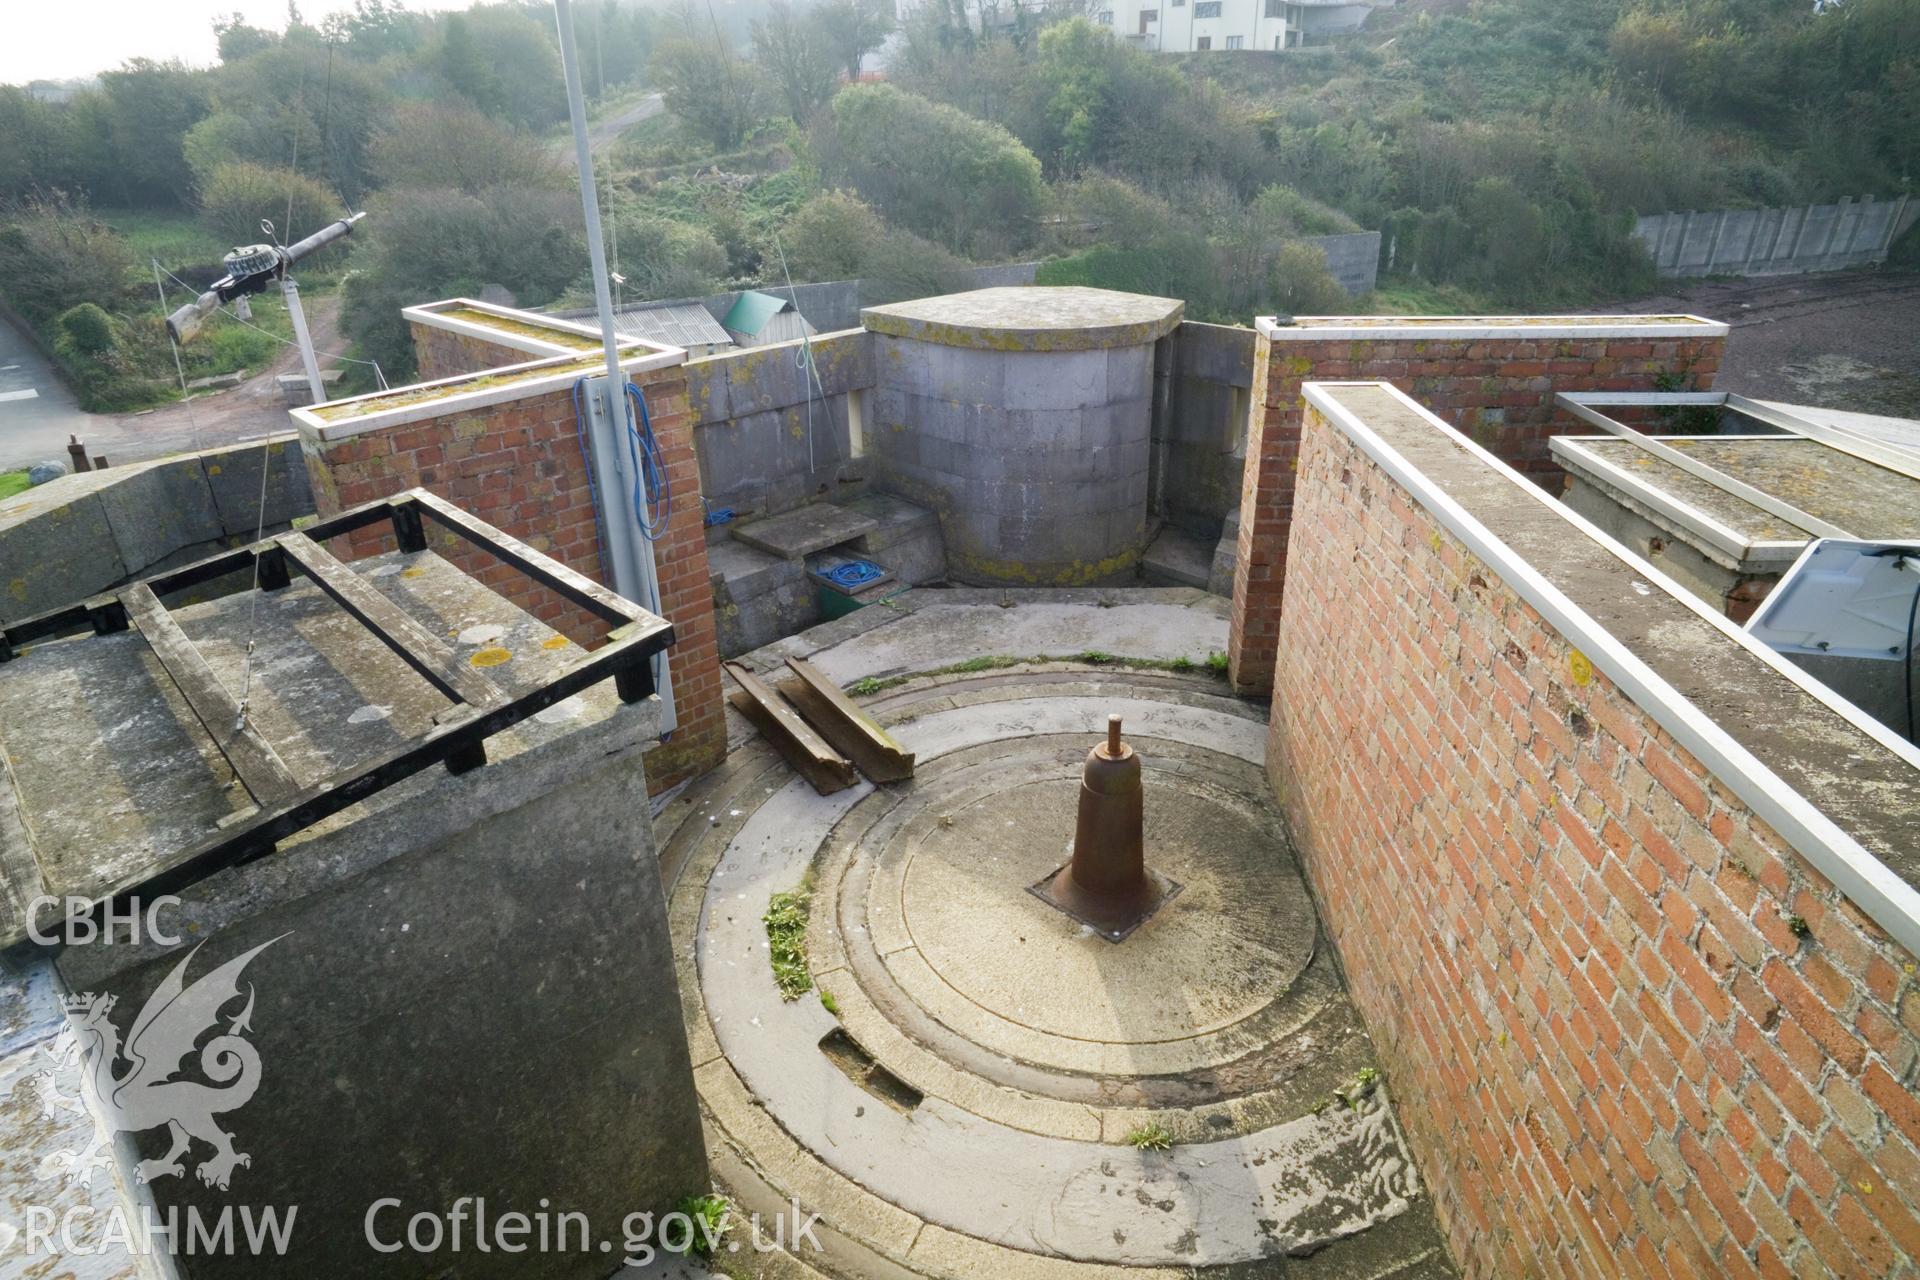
981 1083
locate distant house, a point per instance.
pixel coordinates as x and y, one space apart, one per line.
1183 26
757 319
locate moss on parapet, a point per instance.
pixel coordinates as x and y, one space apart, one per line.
551 334
342 410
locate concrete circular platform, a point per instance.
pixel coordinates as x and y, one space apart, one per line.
1232 942
1030 318
961 1100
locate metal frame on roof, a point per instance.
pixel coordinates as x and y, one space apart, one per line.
481 708
1719 479
1891 456
1721 536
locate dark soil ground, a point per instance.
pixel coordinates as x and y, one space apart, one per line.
1850 340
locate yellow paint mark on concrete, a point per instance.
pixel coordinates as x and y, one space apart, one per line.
213 468
555 642
1580 668
491 656
414 572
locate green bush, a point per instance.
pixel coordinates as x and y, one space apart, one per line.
88 328
236 196
838 236
934 170
232 347
1299 284
54 254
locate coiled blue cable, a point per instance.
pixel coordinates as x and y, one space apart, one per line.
652 496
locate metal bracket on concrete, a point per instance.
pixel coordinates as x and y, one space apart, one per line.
481 708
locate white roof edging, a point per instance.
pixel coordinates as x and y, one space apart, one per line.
1884 896
1455 328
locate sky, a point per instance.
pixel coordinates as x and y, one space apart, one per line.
64 39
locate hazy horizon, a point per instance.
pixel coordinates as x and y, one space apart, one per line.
42 43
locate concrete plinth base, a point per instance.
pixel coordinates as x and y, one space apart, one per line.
979 1085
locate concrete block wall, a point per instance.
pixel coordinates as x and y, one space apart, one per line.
517 464
85 533
1629 1030
750 414
1493 377
1353 259
1783 241
1202 438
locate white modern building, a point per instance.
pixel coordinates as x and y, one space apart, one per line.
1183 26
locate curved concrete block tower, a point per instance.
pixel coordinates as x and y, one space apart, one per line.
1024 417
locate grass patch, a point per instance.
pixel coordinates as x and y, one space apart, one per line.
828 1003
1219 664
786 922
12 482
178 239
1150 1137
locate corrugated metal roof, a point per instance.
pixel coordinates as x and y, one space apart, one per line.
678 324
751 311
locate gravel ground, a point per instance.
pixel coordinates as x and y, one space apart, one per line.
1850 340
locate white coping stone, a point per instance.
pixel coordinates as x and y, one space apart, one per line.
1857 871
1196 1205
317 430
1396 328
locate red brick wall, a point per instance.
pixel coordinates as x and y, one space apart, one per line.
1498 390
518 466
442 353
1613 1051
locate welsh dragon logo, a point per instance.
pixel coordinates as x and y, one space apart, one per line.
148 1092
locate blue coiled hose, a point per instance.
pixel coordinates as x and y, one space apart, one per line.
652 496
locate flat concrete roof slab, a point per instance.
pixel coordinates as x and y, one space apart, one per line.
114 776
795 534
1034 318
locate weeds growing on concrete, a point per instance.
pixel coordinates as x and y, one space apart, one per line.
710 1217
1150 1137
828 1003
1217 663
786 922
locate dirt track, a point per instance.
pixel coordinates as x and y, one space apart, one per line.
1844 341
252 409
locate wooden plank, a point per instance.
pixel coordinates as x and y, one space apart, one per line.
841 722
260 769
804 749
607 605
395 628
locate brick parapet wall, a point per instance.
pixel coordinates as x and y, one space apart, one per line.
442 353
1630 1032
518 466
1499 390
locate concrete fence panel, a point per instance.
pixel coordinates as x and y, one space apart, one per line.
1786 241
